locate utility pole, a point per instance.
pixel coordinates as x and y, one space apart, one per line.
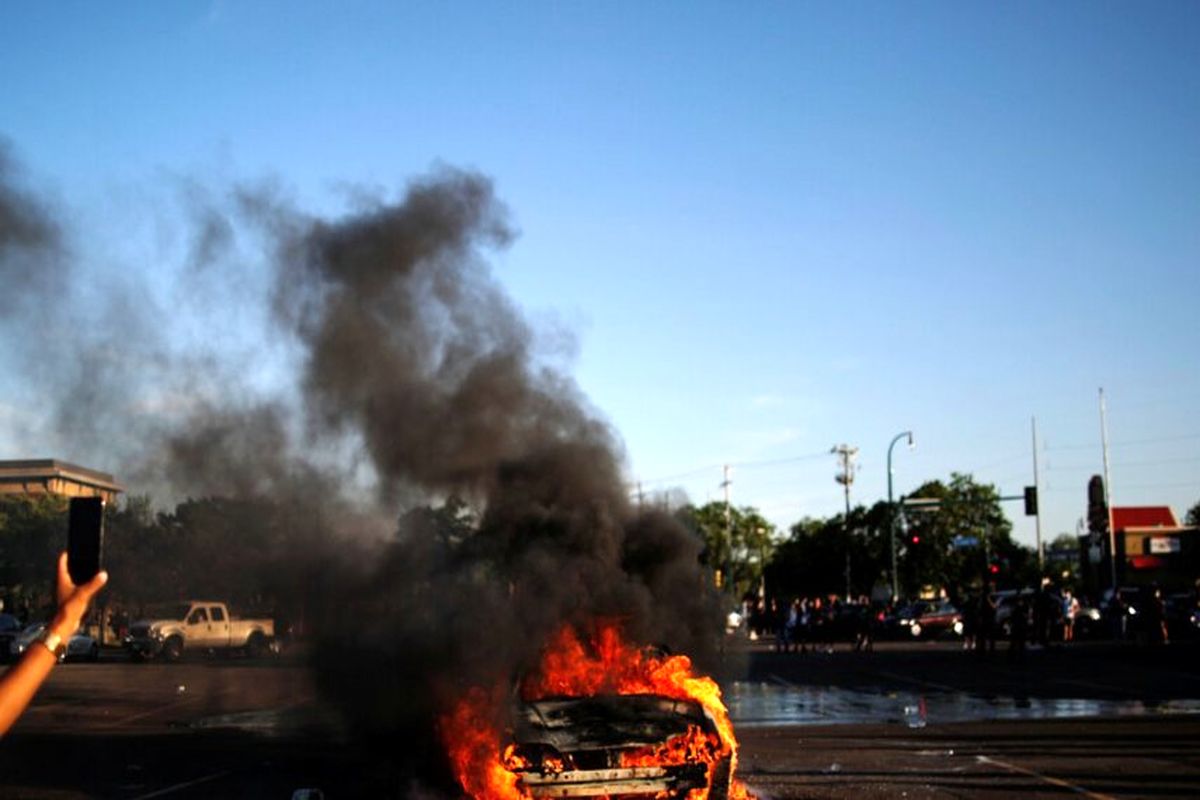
1112 535
846 455
728 566
1037 517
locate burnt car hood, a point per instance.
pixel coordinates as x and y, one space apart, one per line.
606 721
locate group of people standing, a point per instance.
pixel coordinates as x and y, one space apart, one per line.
1040 617
815 623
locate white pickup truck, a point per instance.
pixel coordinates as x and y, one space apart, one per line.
197 625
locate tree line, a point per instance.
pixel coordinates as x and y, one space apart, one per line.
246 552
261 555
961 540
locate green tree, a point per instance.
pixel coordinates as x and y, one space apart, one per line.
813 559
449 525
1193 515
964 541
33 530
736 547
144 555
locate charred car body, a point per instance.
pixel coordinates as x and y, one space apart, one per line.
609 745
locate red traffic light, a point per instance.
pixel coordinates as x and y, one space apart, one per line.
916 539
994 569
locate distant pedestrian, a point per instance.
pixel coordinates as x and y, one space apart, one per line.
1044 607
779 625
864 623
985 641
1070 610
1018 627
1156 619
791 627
970 618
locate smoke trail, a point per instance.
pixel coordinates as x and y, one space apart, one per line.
412 347
415 376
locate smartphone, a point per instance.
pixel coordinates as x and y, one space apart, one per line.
85 538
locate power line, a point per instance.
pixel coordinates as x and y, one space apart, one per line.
738 464
1085 467
692 474
1184 485
1126 443
778 461
1000 463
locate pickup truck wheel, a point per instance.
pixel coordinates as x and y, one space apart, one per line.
172 649
256 646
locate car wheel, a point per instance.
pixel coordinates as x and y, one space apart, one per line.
256 646
94 654
172 649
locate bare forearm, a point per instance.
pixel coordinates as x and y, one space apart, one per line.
21 682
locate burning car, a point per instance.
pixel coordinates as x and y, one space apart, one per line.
617 745
599 717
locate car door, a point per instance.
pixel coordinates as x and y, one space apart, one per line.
219 626
198 628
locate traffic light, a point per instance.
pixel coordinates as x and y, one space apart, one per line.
916 538
1031 501
994 569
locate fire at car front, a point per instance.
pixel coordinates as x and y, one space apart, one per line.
617 745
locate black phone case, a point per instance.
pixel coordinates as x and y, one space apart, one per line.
85 538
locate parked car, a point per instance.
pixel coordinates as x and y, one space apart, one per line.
80 647
1089 623
610 745
925 619
1126 614
1183 616
10 629
1006 601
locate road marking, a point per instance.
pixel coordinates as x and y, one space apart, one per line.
196 698
142 715
1047 778
181 786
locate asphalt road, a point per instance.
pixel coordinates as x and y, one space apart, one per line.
1145 749
240 729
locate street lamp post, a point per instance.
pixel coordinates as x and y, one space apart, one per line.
892 511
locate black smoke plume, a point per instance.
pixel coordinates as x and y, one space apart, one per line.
417 384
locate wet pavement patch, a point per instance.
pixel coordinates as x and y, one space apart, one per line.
785 704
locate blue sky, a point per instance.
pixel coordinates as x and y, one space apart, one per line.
771 228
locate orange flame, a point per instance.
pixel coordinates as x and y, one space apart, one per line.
570 667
